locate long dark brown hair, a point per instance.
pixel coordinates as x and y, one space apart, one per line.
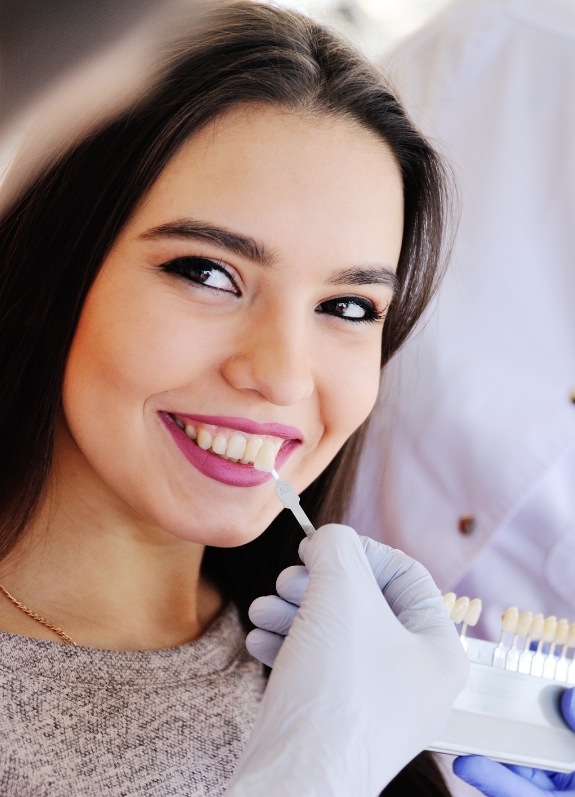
57 233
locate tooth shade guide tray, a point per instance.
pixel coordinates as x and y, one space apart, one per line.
511 716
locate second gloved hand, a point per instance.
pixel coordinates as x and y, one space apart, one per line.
504 780
362 682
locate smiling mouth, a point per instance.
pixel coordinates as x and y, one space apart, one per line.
258 451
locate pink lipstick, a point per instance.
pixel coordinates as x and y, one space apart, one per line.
223 470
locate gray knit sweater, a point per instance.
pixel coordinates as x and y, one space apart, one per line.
165 723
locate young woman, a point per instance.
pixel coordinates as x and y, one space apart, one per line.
205 287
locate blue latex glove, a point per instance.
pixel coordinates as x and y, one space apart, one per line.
364 679
505 780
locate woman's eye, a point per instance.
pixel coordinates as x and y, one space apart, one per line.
202 271
351 308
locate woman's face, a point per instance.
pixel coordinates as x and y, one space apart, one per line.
238 316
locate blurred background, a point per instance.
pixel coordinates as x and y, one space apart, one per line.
67 61
373 25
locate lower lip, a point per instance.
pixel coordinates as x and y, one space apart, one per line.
215 467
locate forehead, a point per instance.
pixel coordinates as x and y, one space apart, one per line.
265 170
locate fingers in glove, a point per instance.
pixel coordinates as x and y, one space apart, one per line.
405 582
264 646
568 707
272 614
498 780
292 583
407 586
335 559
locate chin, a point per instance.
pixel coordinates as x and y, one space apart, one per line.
226 530
237 535
232 538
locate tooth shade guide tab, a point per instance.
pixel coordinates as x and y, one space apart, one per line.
562 632
544 661
562 668
524 622
509 620
549 629
538 663
266 457
473 612
534 635
459 609
550 664
536 630
449 600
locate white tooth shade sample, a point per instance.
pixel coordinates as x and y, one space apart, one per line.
449 599
459 609
473 612
266 457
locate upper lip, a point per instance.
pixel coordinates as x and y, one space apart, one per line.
245 425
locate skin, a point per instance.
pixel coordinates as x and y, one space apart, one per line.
127 516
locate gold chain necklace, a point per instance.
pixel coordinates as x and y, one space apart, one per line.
42 620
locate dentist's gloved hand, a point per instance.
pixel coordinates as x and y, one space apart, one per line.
362 682
504 780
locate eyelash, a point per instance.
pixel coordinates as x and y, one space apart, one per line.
371 313
190 268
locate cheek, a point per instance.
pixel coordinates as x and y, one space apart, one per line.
103 366
350 391
125 353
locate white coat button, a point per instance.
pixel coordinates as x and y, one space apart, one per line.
466 524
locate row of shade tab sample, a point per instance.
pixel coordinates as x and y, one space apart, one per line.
529 643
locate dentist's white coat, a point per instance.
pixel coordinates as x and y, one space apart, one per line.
477 416
477 412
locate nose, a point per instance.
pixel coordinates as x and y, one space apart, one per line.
272 357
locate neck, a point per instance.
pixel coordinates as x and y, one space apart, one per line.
106 580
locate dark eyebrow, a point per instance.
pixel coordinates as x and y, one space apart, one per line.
242 245
370 275
245 246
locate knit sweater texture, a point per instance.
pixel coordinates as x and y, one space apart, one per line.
81 722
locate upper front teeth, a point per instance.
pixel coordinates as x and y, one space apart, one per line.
236 446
